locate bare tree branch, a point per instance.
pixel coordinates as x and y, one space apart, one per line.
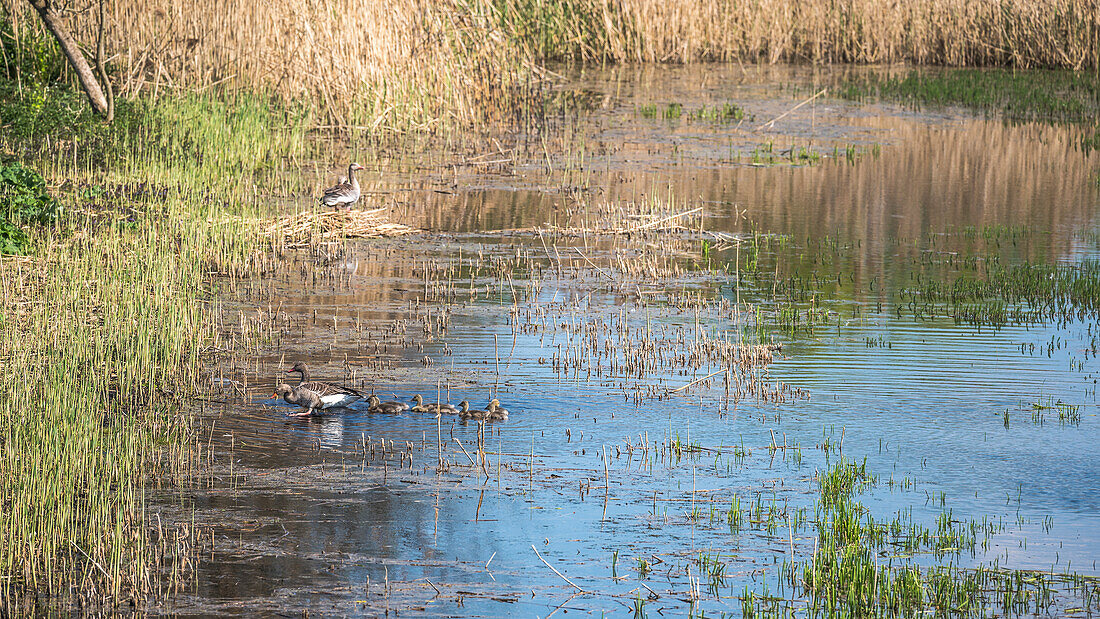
100 64
88 82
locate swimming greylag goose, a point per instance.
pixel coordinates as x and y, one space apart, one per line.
466 412
331 395
377 406
309 400
495 407
345 193
433 407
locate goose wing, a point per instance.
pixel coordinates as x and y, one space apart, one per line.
327 389
340 194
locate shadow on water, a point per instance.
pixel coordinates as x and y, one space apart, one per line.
619 484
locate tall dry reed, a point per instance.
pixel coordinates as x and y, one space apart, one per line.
1021 33
419 63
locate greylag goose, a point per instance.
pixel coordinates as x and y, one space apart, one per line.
433 407
331 395
345 193
494 406
465 412
309 400
376 406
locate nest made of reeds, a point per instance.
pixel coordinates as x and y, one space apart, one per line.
328 227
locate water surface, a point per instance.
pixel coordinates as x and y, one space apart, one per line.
309 516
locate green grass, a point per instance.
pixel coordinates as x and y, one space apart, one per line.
860 565
725 112
104 320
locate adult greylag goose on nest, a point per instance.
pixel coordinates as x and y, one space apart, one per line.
331 395
344 193
309 400
377 406
465 412
432 407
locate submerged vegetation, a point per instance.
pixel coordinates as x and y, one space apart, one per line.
1063 95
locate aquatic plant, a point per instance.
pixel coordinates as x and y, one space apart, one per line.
1064 95
850 574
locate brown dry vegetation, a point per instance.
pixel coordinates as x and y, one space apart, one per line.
415 64
404 64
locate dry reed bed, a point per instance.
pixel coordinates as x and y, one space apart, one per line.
406 65
309 229
1021 33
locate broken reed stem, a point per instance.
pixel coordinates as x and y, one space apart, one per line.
439 426
578 587
594 266
460 446
698 380
771 122
652 224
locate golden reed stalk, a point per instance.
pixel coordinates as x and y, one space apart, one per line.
1021 33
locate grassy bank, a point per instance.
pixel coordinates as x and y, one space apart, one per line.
104 324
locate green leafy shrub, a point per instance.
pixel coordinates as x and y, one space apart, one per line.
23 201
12 238
23 196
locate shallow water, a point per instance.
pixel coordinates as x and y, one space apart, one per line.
303 518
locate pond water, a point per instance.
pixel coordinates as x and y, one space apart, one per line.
817 235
